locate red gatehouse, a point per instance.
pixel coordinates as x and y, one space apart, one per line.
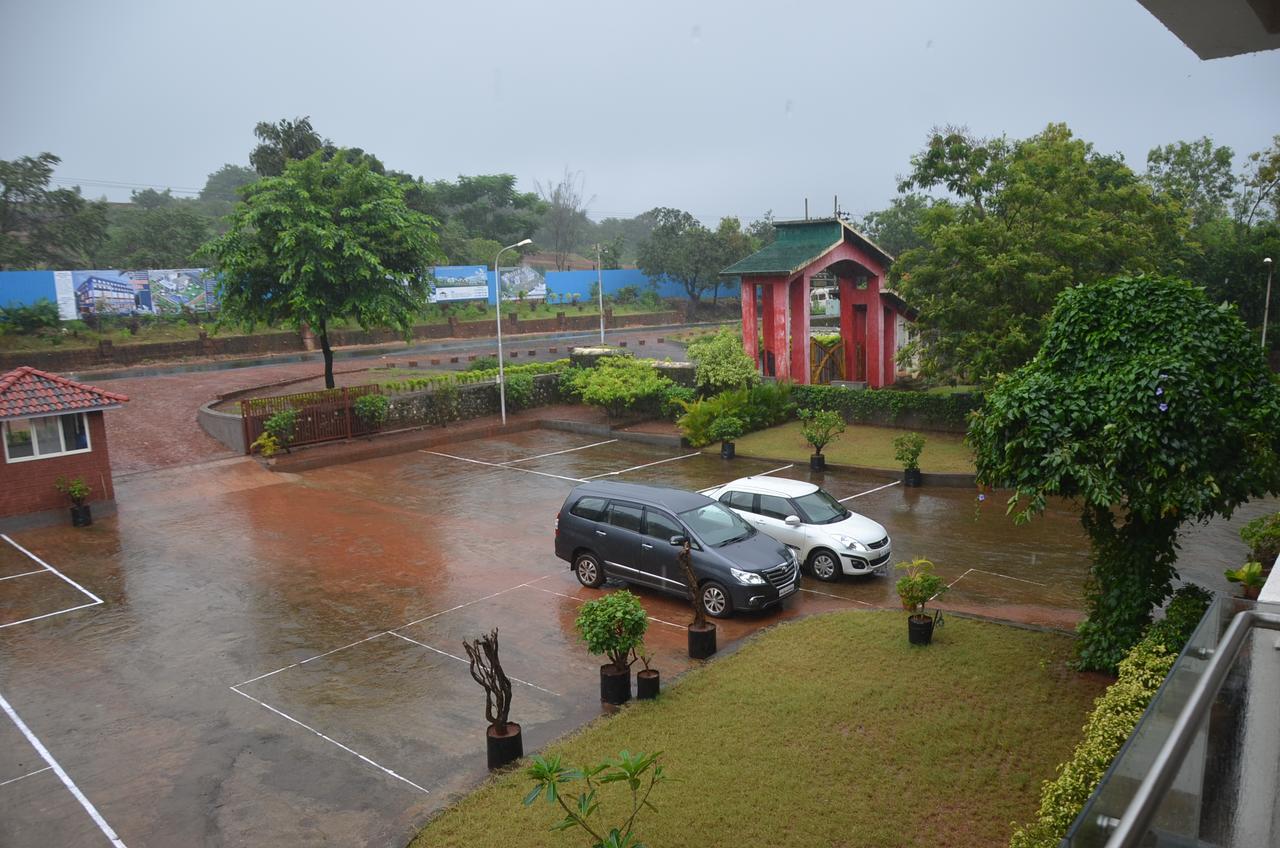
870 315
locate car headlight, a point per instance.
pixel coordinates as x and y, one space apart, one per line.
750 578
851 543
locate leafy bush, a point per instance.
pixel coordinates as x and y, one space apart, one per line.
27 319
448 404
888 406
1262 535
474 375
519 389
726 428
281 425
266 444
722 363
919 585
483 363
1249 575
1115 714
550 777
613 626
618 383
907 449
768 404
372 409
820 427
76 489
673 400
626 295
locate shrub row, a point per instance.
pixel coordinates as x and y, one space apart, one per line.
483 375
1115 714
891 407
750 409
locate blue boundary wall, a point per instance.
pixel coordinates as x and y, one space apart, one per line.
561 283
23 288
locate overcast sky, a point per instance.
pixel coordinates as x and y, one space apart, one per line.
719 108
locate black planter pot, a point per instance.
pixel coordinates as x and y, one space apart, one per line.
81 516
911 477
647 684
726 450
817 462
504 747
702 641
615 687
920 630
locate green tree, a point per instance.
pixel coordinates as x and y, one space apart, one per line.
896 229
1149 406
41 226
683 250
565 217
1030 219
224 184
486 207
721 362
327 239
1260 197
1228 264
282 142
158 237
1196 174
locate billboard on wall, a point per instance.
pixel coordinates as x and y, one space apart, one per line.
523 282
169 291
460 282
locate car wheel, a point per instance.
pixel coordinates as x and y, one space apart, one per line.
588 570
824 565
715 600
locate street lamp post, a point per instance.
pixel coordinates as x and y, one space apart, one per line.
497 284
1266 305
600 290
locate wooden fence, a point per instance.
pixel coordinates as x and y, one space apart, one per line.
323 416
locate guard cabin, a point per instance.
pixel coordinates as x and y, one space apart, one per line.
775 283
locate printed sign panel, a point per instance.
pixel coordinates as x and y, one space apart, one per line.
523 283
159 292
460 282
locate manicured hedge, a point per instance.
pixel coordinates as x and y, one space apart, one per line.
891 407
1115 714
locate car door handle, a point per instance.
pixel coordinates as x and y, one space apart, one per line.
601 533
646 546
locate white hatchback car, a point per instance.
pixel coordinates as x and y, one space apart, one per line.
829 539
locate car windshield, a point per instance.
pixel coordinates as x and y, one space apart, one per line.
820 508
717 526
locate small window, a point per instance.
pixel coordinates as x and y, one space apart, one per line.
773 506
661 526
744 501
38 438
625 516
589 508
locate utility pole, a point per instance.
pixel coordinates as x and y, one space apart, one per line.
600 290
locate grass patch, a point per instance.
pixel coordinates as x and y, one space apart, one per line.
953 390
859 444
828 731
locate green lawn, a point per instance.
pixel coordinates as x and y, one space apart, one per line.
828 731
859 444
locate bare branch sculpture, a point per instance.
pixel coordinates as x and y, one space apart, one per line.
486 669
690 579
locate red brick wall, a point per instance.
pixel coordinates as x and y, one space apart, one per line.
28 486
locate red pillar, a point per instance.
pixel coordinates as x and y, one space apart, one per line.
750 330
778 338
890 346
875 336
846 327
766 304
799 296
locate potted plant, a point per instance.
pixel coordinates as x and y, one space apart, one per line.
820 427
1250 578
504 741
639 772
647 678
916 588
78 491
724 430
613 626
907 449
1262 535
702 633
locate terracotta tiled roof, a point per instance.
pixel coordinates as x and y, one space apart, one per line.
26 392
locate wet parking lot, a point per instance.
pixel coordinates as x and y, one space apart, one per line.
248 658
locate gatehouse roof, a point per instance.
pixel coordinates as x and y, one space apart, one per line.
799 243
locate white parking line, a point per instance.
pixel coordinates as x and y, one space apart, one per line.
506 467
37 559
557 453
48 615
333 741
24 574
870 491
25 776
638 467
837 597
57 769
467 662
580 601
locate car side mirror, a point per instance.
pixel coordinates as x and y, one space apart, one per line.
678 541
792 521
